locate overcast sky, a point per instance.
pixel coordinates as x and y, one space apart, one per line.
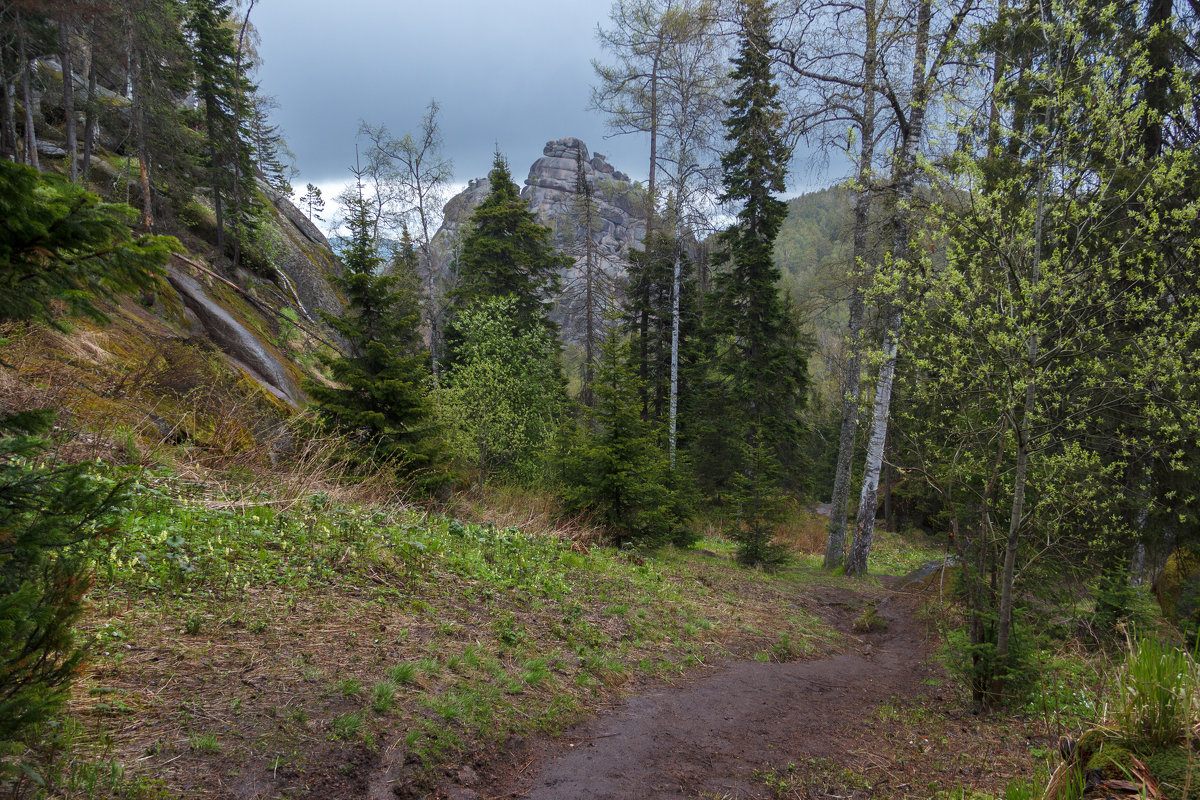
507 73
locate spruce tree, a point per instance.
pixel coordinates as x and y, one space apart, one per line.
648 318
762 365
381 392
618 472
507 252
60 243
44 511
224 93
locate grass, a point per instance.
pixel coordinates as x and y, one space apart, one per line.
205 743
1158 693
335 625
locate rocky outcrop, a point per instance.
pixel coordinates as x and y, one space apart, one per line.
243 348
304 259
551 192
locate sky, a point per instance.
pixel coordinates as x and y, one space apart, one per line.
511 74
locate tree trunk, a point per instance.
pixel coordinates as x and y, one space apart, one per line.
1004 624
889 509
92 118
9 110
31 151
902 222
1158 81
139 132
835 546
239 234
68 79
215 170
864 527
674 408
650 183
1022 428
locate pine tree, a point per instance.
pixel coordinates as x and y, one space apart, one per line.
507 252
381 396
312 203
762 365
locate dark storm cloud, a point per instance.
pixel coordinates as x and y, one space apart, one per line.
507 73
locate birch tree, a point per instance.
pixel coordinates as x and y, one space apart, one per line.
1066 297
931 50
419 175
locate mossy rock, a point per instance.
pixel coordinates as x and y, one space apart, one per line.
1170 768
1112 761
1090 743
1178 587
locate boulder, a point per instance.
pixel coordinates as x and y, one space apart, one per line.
1178 586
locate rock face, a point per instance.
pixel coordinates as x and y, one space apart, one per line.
304 259
551 193
245 349
550 190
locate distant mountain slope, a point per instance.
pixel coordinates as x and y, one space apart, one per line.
814 244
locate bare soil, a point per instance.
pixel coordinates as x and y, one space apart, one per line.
751 729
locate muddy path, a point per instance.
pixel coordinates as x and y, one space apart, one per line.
709 736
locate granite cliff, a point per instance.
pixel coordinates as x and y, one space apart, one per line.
551 192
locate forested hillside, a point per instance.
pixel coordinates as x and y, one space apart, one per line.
281 518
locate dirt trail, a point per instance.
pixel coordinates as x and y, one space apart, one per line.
708 737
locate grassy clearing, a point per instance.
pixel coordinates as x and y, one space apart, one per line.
236 636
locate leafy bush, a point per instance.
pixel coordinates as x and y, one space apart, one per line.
501 400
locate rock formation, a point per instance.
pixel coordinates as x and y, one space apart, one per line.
550 191
304 259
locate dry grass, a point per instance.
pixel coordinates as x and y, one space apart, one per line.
803 531
532 511
135 393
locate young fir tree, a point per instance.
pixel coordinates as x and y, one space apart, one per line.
58 243
507 252
762 367
381 392
618 472
44 511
